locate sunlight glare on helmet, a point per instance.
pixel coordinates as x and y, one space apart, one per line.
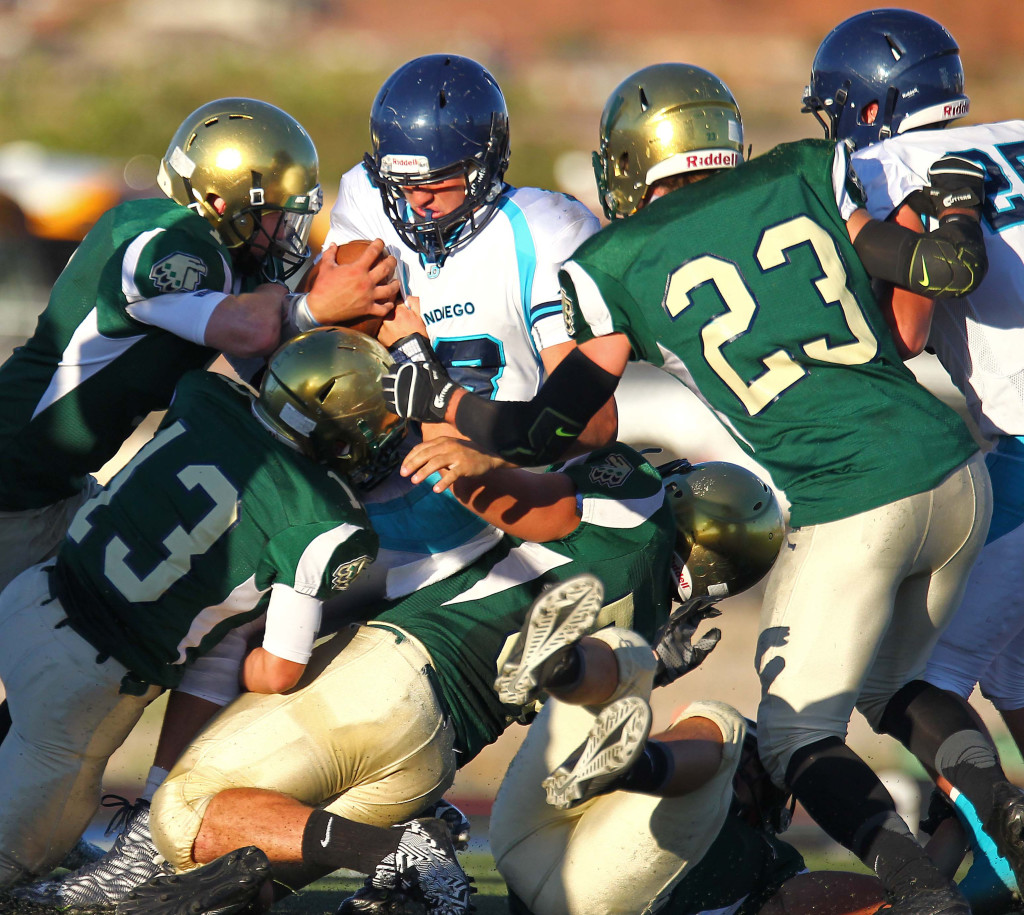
229 158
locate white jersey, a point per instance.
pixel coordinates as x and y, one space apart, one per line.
495 303
979 339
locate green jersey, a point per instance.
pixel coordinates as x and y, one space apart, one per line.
745 285
625 537
188 539
90 372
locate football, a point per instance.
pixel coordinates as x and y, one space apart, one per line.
346 254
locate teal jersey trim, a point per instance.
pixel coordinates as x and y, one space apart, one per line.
526 258
423 521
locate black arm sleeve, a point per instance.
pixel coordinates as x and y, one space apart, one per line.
949 260
539 431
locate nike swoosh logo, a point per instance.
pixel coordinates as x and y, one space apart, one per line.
561 433
327 835
924 270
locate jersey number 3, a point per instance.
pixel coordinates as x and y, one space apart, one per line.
782 371
180 545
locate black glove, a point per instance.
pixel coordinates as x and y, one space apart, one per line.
419 390
677 653
954 182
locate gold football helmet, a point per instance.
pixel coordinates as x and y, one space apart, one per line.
729 527
322 393
663 120
236 161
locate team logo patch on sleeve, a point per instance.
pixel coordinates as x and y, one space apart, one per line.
567 314
613 472
178 272
348 572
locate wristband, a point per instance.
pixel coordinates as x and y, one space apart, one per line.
297 314
412 348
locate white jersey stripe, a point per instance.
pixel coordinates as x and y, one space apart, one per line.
87 353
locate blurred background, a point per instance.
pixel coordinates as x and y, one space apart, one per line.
91 91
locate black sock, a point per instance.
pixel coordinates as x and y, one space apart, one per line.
940 729
847 800
5 719
650 772
564 669
332 841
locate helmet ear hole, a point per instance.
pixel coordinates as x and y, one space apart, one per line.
325 391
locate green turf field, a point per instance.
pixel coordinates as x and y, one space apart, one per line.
322 898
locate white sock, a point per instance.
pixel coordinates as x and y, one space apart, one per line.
154 781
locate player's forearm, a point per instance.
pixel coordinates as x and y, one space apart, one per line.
264 672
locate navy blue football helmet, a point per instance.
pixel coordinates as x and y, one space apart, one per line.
438 117
905 62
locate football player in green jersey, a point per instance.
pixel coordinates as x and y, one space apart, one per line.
418 679
750 282
239 506
158 287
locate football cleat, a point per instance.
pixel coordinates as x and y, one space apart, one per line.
131 861
945 900
373 901
422 870
1005 826
616 740
456 821
225 886
560 617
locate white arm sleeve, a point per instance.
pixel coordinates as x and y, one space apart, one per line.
184 314
357 212
293 620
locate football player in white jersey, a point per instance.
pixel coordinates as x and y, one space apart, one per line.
888 82
481 256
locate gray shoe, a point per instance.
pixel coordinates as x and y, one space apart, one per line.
615 742
558 618
131 861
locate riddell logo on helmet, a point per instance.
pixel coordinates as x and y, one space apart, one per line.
717 159
405 165
956 110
